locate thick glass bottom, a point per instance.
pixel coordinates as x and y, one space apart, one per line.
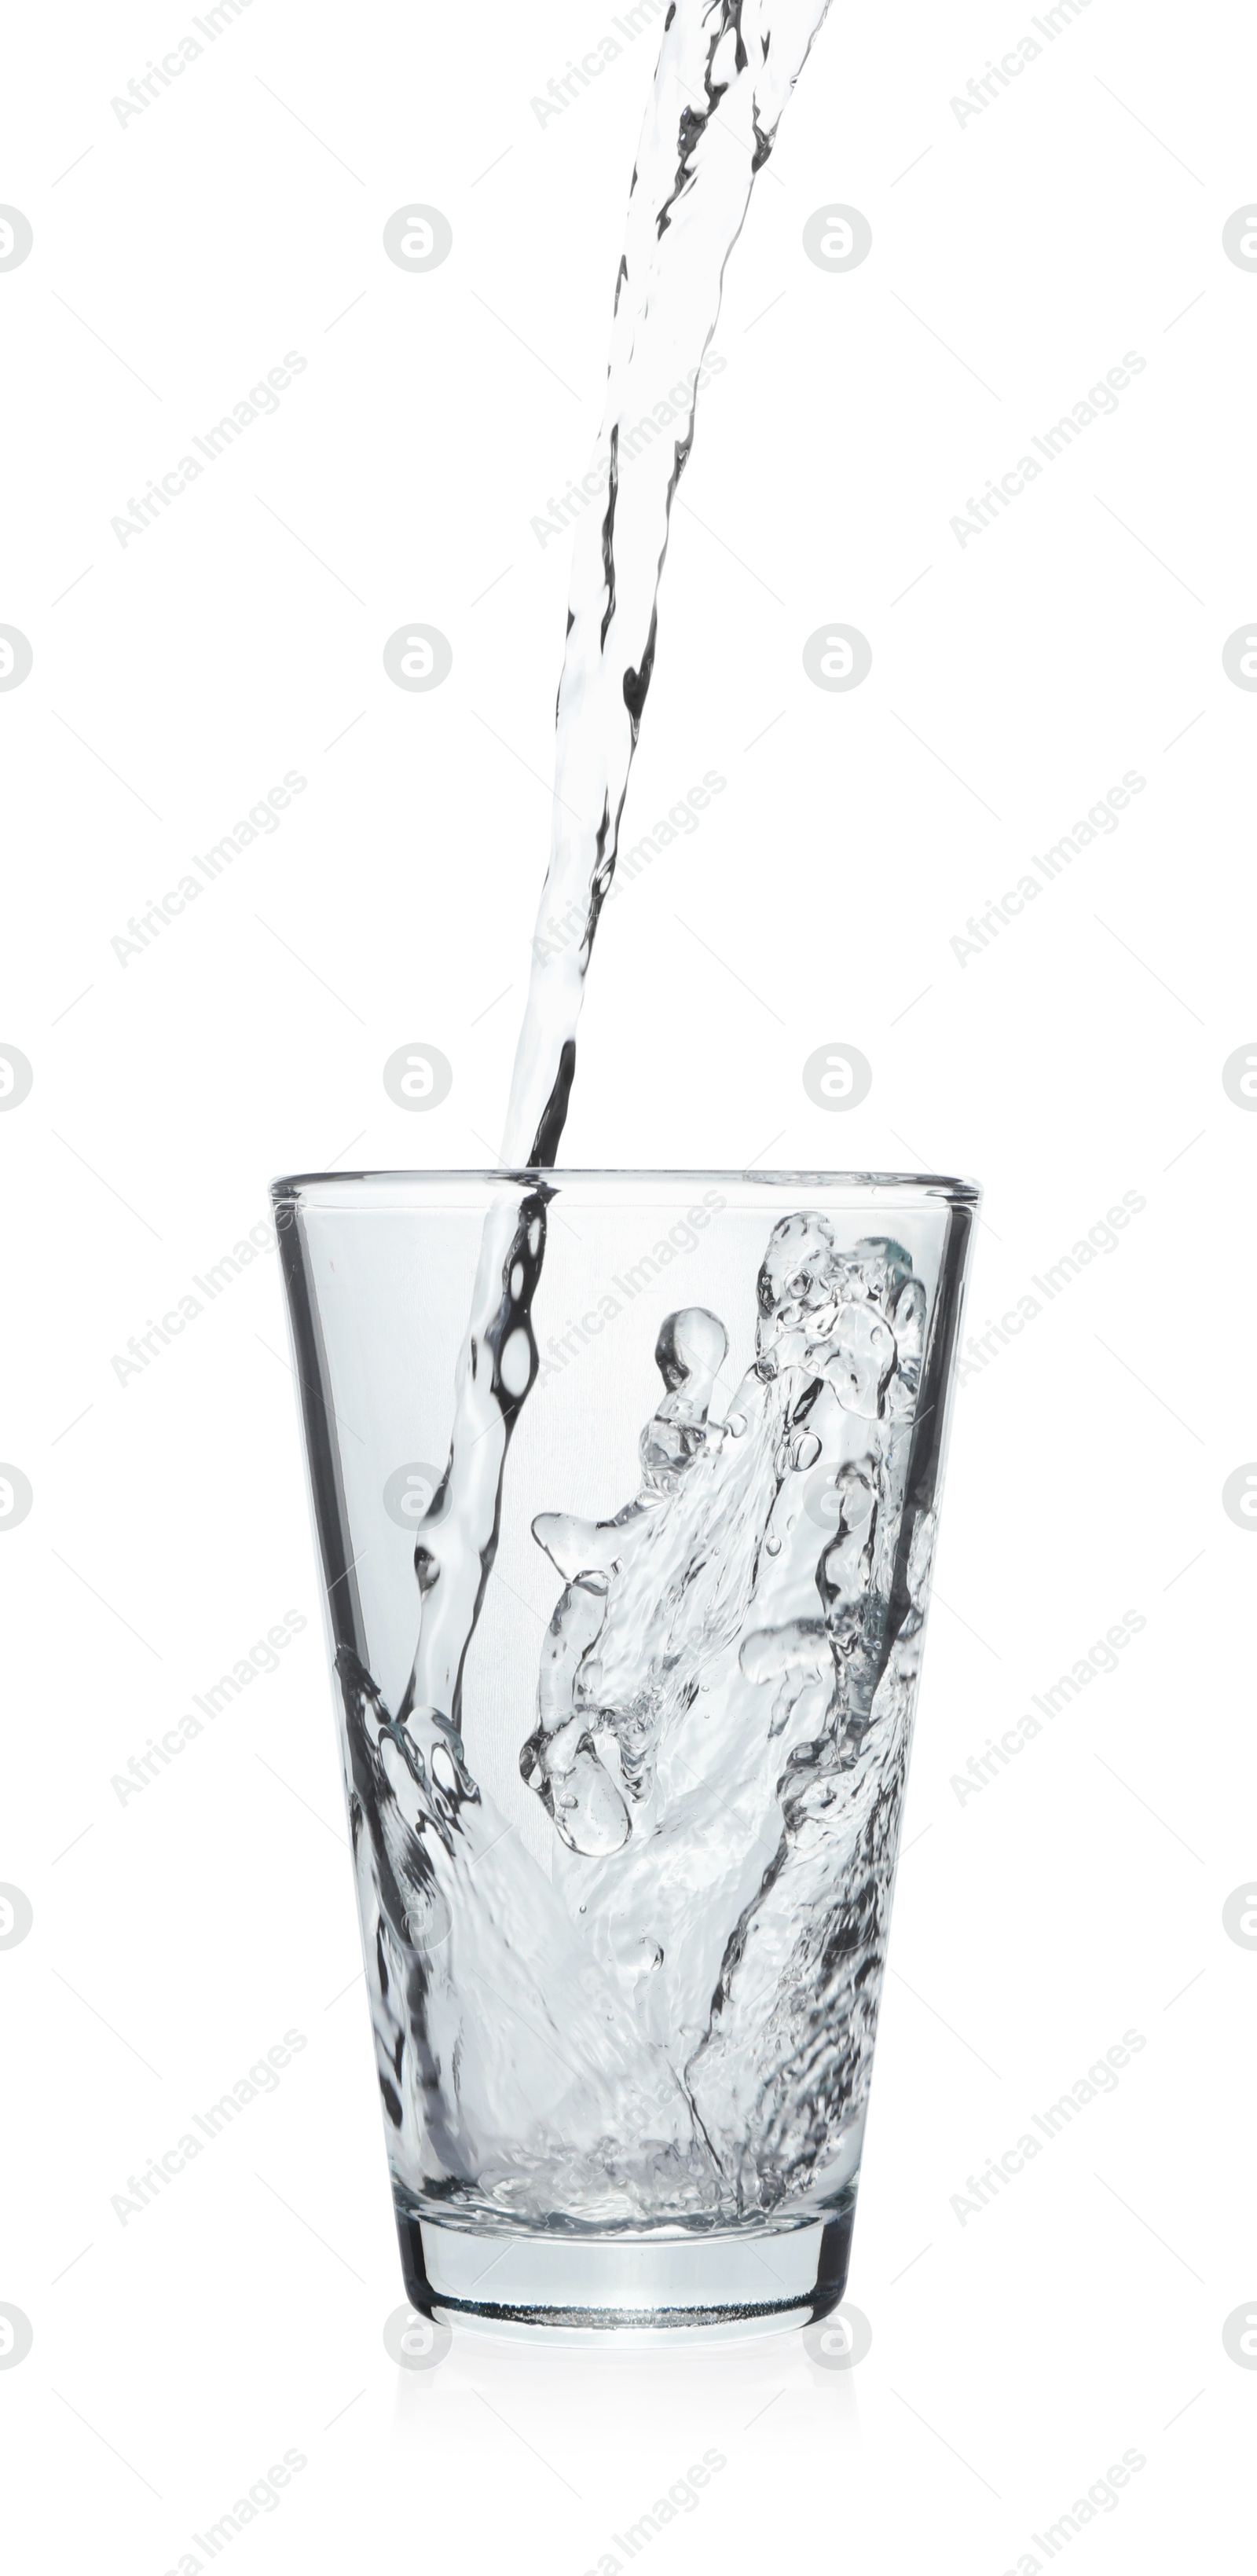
748 2281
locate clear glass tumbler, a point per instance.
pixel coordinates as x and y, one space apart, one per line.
625 1897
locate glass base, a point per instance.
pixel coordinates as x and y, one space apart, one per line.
754 2280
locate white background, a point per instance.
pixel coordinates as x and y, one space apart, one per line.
1016 258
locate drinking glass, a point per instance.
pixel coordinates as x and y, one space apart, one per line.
625 1867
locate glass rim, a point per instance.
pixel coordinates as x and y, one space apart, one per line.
959 1192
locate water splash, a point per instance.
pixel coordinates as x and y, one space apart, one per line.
676 2027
